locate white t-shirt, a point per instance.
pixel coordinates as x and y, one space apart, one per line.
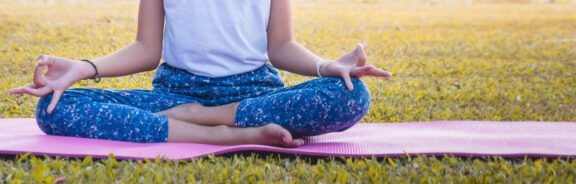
216 38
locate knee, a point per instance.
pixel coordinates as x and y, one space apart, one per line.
43 119
340 98
349 107
333 84
343 108
360 93
52 124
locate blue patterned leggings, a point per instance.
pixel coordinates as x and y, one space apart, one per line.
315 107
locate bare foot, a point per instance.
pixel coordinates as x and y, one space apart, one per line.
276 135
270 134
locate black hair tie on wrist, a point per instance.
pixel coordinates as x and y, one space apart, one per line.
96 77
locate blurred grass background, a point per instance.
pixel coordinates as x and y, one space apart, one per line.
502 62
452 60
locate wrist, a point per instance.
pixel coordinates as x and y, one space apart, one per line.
87 71
321 70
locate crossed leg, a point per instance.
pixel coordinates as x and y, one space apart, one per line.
219 120
127 115
312 108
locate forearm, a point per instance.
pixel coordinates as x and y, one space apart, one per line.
295 58
133 58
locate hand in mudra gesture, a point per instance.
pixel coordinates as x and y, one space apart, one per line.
352 64
60 74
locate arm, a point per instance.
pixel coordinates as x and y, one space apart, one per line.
142 55
287 54
284 52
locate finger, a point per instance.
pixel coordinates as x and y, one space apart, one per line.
360 54
39 76
359 72
19 90
379 73
364 45
347 81
55 98
32 85
43 62
39 92
16 91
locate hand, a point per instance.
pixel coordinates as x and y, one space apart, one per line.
60 75
352 64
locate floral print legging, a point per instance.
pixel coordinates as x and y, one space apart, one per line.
314 107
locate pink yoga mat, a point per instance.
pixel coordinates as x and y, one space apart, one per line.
459 138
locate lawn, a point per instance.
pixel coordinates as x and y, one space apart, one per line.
451 61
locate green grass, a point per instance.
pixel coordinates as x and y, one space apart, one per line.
481 62
272 168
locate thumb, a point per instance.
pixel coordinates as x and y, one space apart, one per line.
359 72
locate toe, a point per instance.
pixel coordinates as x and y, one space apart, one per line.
286 138
278 135
295 143
298 142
